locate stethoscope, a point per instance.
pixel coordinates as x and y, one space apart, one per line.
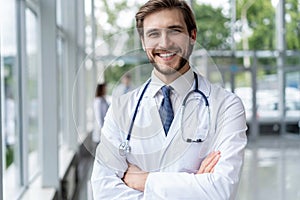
125 148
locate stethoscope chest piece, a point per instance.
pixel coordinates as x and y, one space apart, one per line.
124 148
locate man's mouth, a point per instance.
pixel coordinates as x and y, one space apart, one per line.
166 55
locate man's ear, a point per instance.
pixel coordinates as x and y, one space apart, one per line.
193 36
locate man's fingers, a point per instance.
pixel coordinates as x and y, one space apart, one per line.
210 167
210 157
209 162
135 178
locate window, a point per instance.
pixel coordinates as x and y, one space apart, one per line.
10 101
89 67
32 91
19 64
60 90
21 86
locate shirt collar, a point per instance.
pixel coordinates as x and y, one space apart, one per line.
181 85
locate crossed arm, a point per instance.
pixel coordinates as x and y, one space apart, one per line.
135 178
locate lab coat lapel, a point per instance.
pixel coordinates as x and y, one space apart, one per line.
176 126
149 121
174 147
148 137
160 138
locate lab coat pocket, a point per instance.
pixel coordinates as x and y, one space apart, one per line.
198 135
195 153
191 160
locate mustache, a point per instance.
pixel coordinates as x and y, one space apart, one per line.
166 50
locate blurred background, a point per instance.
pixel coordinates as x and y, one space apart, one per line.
54 53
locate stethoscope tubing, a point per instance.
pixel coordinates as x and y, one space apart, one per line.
125 147
136 110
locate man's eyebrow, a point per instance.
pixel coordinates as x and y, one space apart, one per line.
175 27
149 30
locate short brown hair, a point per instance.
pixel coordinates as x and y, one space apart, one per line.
100 90
157 5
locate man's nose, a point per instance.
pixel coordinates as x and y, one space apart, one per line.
165 40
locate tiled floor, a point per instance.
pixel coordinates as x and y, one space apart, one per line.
271 169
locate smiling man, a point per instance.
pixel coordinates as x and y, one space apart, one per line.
167 41
177 136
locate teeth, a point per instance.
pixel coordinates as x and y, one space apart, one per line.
165 55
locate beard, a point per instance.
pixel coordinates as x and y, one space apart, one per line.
166 70
169 70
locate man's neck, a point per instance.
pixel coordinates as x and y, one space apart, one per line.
167 79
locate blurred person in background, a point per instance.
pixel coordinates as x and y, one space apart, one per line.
124 87
100 108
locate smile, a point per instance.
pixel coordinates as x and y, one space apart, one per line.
166 55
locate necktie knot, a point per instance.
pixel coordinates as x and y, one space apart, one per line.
166 111
166 91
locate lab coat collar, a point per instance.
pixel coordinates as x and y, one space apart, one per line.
183 84
203 85
155 85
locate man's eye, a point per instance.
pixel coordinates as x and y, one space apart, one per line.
153 34
175 31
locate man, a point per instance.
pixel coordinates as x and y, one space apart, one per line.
168 151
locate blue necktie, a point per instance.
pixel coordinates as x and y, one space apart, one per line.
166 111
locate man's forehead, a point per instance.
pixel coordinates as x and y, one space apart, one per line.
164 18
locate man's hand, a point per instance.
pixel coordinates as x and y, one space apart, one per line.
135 178
209 163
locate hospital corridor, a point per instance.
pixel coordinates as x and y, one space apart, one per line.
74 71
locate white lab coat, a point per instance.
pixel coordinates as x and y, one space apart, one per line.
172 163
